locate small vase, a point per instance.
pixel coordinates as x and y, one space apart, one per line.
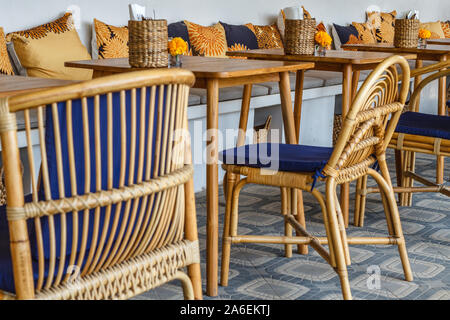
321 51
176 61
422 43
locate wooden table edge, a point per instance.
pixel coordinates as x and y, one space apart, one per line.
281 57
294 66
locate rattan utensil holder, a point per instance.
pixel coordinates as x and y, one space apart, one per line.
299 36
406 33
148 44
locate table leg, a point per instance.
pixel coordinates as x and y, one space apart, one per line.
442 99
291 137
355 81
245 108
299 81
243 121
212 187
347 82
417 79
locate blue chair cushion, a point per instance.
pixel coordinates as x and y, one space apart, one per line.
424 125
6 269
281 157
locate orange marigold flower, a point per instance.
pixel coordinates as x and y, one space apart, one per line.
177 46
323 39
424 34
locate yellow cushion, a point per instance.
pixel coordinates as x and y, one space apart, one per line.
112 42
5 63
207 41
435 28
43 50
268 36
383 24
366 33
446 28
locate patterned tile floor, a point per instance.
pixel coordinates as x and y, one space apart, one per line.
262 272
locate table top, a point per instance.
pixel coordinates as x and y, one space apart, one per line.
387 47
445 41
11 85
203 67
331 56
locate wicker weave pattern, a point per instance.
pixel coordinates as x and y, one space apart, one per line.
131 278
299 36
406 33
148 44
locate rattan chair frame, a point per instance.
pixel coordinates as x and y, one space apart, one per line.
364 134
130 260
406 146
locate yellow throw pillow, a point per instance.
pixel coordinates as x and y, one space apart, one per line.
207 41
383 24
112 42
435 28
43 50
366 33
268 36
446 28
5 63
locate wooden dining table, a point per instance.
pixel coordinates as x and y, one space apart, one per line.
12 85
444 42
212 74
432 52
349 63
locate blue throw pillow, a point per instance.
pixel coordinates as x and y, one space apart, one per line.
239 37
345 33
179 29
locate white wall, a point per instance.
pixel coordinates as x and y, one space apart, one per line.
20 14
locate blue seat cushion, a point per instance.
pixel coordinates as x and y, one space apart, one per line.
424 125
281 157
6 269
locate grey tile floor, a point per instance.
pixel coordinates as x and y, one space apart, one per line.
261 272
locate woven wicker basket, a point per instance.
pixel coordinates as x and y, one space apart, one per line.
148 44
406 33
299 36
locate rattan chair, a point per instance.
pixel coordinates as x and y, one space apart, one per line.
416 133
112 211
363 140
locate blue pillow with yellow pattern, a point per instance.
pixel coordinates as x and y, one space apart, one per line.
239 37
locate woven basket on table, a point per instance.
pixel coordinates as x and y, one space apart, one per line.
148 44
406 33
299 36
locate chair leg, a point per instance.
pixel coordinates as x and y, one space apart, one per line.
231 180
407 182
298 211
388 192
399 158
230 226
336 239
188 289
287 226
360 201
342 230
